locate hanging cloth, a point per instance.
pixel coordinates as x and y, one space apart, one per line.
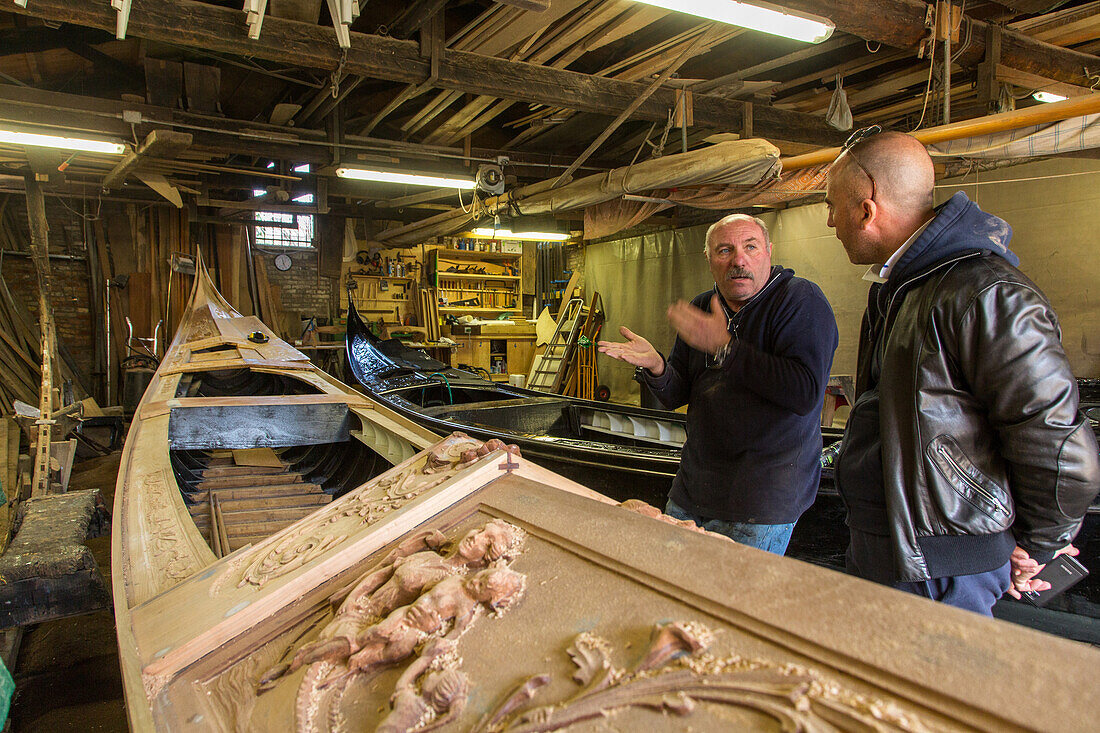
839 114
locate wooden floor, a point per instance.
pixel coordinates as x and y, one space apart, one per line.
67 673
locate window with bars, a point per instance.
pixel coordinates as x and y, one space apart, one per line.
284 230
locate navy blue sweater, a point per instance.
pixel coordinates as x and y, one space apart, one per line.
753 450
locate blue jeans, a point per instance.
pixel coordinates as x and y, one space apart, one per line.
772 538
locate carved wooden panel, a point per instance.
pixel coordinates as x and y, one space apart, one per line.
215 606
627 623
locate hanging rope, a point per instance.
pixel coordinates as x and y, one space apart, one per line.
338 75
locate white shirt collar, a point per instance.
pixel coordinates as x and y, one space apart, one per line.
881 273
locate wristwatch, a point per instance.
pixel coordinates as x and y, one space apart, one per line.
723 351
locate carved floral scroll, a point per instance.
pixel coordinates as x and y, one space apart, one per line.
297 545
677 675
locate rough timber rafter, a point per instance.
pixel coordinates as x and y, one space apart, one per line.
223 29
901 24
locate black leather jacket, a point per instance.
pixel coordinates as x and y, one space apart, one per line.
980 429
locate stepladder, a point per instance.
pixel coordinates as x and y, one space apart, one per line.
548 368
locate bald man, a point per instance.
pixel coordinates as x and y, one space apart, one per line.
966 465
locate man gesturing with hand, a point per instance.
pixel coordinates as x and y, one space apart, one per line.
751 361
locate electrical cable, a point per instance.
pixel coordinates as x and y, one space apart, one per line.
1020 180
85 217
928 86
441 375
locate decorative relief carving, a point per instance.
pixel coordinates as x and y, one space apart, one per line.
648 510
423 599
299 544
676 675
168 549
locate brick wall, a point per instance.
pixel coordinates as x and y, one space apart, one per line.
574 260
73 312
303 290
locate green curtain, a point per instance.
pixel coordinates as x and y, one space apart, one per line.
638 278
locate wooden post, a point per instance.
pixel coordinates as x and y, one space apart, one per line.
39 229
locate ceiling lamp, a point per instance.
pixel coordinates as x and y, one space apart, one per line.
1048 97
416 179
491 233
758 17
12 137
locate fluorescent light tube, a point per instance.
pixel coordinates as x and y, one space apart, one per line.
66 143
1048 97
799 26
528 236
415 179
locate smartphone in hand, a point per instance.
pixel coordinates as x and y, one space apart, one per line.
1063 572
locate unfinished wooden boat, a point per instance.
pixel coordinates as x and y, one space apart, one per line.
623 451
237 436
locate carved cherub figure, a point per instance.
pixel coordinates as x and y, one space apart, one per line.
453 602
441 696
470 455
401 578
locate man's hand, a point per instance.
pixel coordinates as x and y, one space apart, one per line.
635 350
706 332
1024 570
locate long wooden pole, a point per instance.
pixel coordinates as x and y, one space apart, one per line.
39 229
1037 115
633 106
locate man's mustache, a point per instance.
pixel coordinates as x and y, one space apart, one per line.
740 272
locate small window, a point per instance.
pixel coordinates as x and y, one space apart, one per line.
303 168
292 230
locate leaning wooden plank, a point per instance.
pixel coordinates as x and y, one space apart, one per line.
9 478
222 536
62 454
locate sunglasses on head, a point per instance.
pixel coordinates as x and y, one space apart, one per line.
855 139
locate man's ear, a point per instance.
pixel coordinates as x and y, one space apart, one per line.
868 210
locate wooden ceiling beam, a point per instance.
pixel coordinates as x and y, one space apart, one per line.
158 143
733 79
901 24
227 136
1067 27
414 16
198 25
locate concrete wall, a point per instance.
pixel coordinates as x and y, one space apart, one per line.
1055 219
1054 210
